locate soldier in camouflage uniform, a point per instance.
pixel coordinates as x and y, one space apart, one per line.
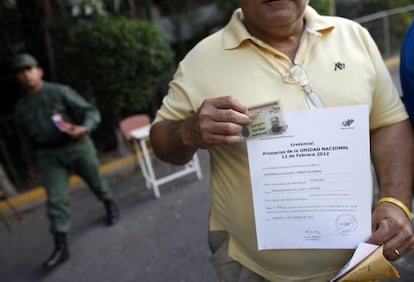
54 124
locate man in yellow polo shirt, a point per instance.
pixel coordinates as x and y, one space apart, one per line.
246 64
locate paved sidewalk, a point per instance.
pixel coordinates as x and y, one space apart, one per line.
155 241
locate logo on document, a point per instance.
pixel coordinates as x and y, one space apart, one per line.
347 124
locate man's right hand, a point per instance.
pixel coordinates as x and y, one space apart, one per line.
218 121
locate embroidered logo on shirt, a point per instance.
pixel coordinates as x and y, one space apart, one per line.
339 66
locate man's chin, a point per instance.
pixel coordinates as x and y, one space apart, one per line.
30 88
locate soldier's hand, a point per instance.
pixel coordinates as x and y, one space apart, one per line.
77 131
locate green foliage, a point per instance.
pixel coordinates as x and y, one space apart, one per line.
118 61
173 7
324 7
228 6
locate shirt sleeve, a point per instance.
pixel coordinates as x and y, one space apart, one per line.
178 104
387 106
90 114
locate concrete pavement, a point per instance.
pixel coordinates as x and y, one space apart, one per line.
155 241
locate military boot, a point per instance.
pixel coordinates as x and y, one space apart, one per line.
112 212
60 254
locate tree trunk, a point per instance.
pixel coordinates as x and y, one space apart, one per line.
50 54
117 5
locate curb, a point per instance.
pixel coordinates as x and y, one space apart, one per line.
38 194
392 62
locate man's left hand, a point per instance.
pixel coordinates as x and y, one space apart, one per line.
391 227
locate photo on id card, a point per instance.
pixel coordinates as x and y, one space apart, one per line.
265 120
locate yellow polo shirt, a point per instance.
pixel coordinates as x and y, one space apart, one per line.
344 68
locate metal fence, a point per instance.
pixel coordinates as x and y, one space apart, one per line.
388 28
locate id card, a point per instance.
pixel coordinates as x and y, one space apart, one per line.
264 121
61 124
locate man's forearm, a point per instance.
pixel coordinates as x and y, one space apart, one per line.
392 152
171 141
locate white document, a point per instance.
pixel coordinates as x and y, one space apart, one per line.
312 185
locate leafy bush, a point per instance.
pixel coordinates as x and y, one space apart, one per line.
118 62
227 6
324 7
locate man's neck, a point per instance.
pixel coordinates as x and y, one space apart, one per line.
283 39
31 91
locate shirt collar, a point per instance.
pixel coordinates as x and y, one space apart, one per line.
235 33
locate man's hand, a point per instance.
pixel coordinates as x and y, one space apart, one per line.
218 121
77 131
391 227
